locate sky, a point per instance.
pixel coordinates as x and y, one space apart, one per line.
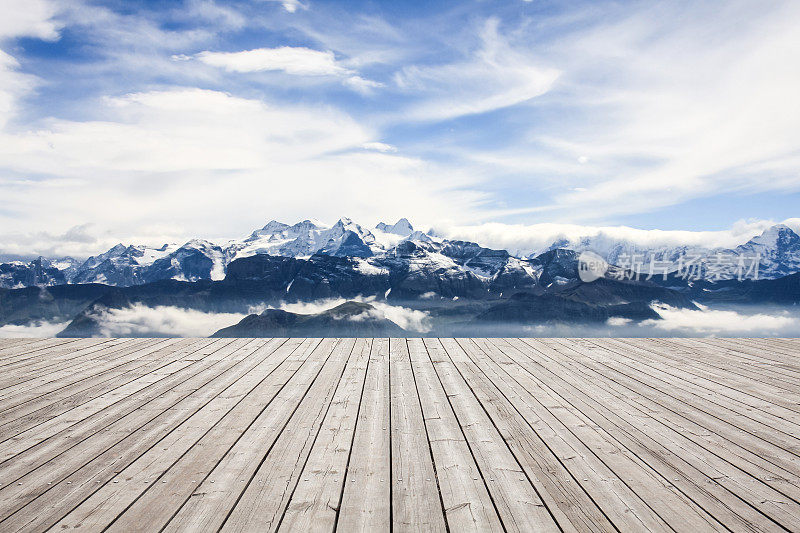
151 122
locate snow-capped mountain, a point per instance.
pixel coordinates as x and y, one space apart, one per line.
121 265
40 272
132 265
425 263
304 239
777 250
402 227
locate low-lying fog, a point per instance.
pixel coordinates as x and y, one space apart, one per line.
143 321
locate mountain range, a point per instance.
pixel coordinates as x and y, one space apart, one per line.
369 276
125 265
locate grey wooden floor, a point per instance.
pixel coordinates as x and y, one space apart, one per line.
400 434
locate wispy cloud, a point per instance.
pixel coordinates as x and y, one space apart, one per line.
290 6
589 114
495 76
664 103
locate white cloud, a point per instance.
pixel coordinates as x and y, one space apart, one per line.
32 330
534 237
13 86
362 85
666 103
172 158
291 6
141 320
405 317
379 147
78 241
29 18
217 14
497 75
292 60
22 18
297 61
722 322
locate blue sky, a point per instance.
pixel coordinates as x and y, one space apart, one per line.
157 121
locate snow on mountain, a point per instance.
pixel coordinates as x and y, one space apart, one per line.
615 251
348 239
402 227
779 251
777 248
121 265
424 257
306 238
197 259
40 272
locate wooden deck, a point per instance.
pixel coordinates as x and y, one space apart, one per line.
402 434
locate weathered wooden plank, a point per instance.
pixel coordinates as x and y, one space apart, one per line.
658 383
467 503
581 448
48 362
416 504
742 385
272 450
664 445
366 499
314 504
47 405
682 465
124 412
609 434
73 479
46 428
26 347
522 501
722 359
217 422
710 361
760 459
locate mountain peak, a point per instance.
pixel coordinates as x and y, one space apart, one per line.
402 227
779 235
273 226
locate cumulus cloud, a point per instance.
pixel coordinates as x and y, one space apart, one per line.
35 329
13 86
722 322
140 320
